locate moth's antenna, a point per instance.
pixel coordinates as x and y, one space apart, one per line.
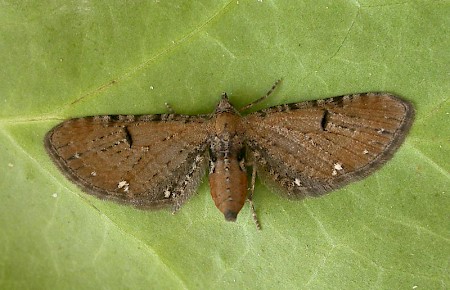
169 108
262 98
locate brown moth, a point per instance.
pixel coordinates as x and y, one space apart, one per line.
305 149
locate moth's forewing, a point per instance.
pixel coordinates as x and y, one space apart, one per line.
147 161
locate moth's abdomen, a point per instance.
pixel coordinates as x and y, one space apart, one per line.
228 185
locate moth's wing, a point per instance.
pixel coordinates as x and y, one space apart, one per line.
147 161
313 147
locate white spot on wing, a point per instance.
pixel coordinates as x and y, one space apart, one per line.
124 184
297 182
336 167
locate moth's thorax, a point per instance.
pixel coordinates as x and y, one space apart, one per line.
228 177
227 123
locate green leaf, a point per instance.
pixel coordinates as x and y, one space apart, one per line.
63 59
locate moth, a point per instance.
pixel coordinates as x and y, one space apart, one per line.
304 149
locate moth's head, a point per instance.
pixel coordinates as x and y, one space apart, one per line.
225 105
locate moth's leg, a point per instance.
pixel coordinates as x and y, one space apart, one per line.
186 186
262 98
250 197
